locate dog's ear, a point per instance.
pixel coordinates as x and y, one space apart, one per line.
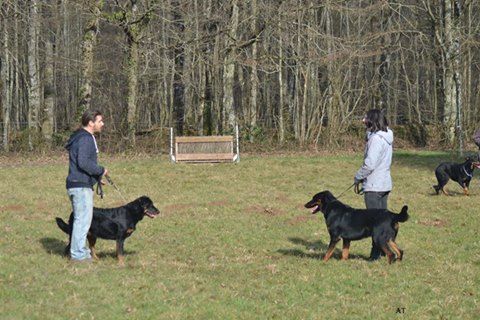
144 201
328 196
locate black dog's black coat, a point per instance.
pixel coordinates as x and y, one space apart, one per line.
349 224
113 223
459 172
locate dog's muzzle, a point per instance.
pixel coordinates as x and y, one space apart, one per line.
314 207
151 214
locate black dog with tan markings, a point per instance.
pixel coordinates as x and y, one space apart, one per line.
462 173
113 224
350 224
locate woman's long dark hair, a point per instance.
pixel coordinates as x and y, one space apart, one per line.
375 120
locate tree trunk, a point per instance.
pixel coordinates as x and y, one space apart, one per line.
49 93
281 125
6 81
33 72
229 70
254 73
88 44
384 69
202 78
332 81
449 112
178 84
132 81
16 98
133 24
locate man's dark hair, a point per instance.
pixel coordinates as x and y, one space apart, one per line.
90 115
376 120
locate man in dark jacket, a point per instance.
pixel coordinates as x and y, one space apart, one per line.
83 173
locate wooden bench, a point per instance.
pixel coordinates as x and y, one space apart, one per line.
203 149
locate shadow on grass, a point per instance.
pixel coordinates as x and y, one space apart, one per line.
316 250
53 246
57 247
113 254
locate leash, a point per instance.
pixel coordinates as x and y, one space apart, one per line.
99 190
341 194
358 190
110 181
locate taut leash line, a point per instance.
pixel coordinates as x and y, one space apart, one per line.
341 194
110 181
357 189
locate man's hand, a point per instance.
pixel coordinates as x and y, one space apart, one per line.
105 173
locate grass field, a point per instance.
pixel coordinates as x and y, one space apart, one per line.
234 242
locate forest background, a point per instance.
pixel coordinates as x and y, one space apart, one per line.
289 73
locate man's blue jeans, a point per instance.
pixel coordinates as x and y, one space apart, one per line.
82 204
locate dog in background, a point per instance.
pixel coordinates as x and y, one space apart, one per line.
459 172
113 224
350 224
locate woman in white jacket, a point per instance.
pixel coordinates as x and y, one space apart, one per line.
375 171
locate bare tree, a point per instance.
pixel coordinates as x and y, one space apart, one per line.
229 68
88 44
34 98
5 76
133 21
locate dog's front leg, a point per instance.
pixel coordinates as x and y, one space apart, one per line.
121 260
345 249
331 247
445 191
465 188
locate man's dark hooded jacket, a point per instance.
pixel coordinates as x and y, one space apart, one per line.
83 171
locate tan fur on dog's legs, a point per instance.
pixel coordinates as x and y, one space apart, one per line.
331 247
345 249
396 249
121 260
445 192
389 254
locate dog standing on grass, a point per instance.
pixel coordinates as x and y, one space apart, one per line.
459 172
113 224
350 224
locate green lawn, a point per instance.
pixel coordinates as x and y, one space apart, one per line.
234 242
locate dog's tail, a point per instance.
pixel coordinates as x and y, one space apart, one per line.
63 226
402 216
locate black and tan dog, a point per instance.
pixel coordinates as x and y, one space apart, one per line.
113 224
459 172
350 224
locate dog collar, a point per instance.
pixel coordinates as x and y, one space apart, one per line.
468 174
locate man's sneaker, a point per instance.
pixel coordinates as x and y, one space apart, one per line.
78 261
